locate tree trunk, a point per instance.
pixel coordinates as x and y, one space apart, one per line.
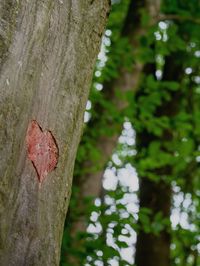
156 196
47 50
153 248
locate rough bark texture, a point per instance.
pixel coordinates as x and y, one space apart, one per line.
47 51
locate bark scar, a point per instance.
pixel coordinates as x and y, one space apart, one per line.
42 150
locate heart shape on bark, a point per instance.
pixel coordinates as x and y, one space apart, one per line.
42 150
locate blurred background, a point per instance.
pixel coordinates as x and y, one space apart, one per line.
136 187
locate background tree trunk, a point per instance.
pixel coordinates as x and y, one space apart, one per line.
47 51
156 195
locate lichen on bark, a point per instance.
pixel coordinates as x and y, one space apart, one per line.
8 21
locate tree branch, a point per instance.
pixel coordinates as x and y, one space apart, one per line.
177 17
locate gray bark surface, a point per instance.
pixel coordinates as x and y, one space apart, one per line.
47 52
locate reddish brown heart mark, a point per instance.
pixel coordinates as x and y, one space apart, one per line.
42 150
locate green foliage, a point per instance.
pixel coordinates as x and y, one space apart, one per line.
165 114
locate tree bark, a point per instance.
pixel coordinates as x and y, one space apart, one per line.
47 50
